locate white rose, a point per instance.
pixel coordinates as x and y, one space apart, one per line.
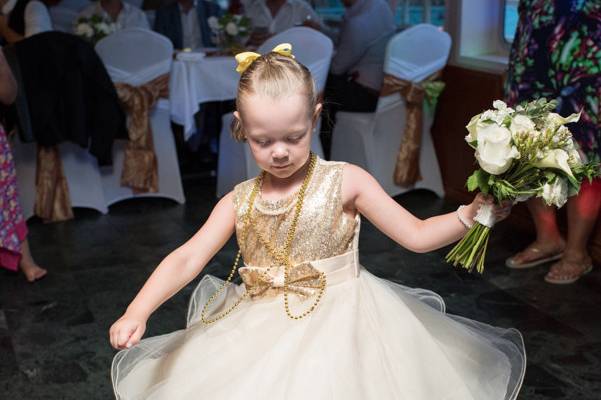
496 116
231 29
555 193
521 123
472 128
213 23
85 30
495 152
557 159
104 28
499 105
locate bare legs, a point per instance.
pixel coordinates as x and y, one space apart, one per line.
27 264
582 215
548 239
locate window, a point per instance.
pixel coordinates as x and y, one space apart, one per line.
407 12
510 19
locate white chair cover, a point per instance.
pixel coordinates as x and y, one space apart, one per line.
136 56
311 48
372 140
236 163
81 170
63 18
89 186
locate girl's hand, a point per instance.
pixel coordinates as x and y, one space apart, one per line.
500 211
127 332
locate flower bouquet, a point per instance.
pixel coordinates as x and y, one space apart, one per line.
94 28
231 31
522 153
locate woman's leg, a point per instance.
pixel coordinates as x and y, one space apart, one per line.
27 264
582 216
548 242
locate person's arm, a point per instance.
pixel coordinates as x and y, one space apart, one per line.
7 33
349 50
141 21
362 192
8 85
175 272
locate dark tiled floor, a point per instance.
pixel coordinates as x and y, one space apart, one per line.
53 334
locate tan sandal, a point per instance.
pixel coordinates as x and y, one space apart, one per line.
510 262
566 279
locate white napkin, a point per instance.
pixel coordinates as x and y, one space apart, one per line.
190 56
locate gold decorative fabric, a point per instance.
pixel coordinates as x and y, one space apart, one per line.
304 281
324 230
406 171
52 201
140 168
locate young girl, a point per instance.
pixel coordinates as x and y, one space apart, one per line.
308 322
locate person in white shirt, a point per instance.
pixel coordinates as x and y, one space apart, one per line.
269 17
357 68
124 15
20 19
185 23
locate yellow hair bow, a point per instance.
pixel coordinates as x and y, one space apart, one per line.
248 57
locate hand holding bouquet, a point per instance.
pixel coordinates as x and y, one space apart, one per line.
522 153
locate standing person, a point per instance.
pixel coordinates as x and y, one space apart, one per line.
309 322
21 19
357 68
184 22
122 14
14 247
556 54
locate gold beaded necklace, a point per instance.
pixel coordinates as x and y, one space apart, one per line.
280 256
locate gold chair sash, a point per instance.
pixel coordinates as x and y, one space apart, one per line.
406 171
140 167
304 281
52 201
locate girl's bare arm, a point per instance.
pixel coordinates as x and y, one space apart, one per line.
362 193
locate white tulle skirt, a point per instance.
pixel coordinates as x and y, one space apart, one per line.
368 339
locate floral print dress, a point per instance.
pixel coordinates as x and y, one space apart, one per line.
12 225
556 54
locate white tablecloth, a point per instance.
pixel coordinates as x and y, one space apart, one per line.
200 81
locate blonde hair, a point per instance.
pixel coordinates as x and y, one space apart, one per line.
274 75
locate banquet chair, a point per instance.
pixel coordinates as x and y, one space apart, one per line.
311 48
372 140
80 168
136 56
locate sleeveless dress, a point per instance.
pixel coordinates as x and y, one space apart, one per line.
368 338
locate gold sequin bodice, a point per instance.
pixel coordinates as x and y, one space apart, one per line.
323 230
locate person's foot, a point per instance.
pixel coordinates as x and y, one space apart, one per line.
537 253
569 270
33 272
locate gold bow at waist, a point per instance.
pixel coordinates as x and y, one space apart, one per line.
304 278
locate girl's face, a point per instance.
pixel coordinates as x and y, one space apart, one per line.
278 131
